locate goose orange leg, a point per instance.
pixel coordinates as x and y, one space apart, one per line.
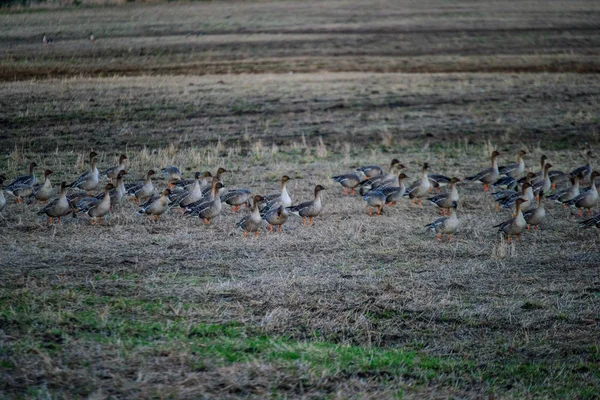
50 220
310 219
420 202
486 187
270 228
256 233
207 221
353 192
245 234
508 240
280 228
439 237
152 218
304 222
238 208
232 209
345 192
450 237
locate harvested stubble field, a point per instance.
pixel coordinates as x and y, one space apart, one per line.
356 306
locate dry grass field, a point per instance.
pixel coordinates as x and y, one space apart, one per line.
353 307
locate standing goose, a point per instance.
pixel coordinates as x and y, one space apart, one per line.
101 207
586 199
252 222
395 194
23 185
445 225
445 201
43 192
375 181
514 169
420 188
58 207
278 199
117 192
537 176
503 196
563 196
212 208
535 216
276 217
375 199
142 190
514 226
113 172
155 205
89 180
187 197
487 176
585 171
309 209
349 181
526 195
544 184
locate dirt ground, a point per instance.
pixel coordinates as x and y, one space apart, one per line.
356 306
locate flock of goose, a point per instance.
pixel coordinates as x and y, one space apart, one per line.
204 195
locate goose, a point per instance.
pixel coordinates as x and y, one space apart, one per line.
487 176
212 208
535 216
89 180
276 199
156 205
207 191
350 181
445 201
515 169
252 222
236 198
376 181
113 172
100 208
563 196
172 174
309 209
43 192
445 225
514 226
142 190
420 188
22 185
58 207
586 199
276 217
585 171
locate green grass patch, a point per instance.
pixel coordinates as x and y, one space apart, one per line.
53 324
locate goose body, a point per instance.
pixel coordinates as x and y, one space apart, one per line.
89 180
276 217
514 226
446 201
487 176
156 205
252 222
22 186
587 199
445 225
309 209
58 207
113 172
